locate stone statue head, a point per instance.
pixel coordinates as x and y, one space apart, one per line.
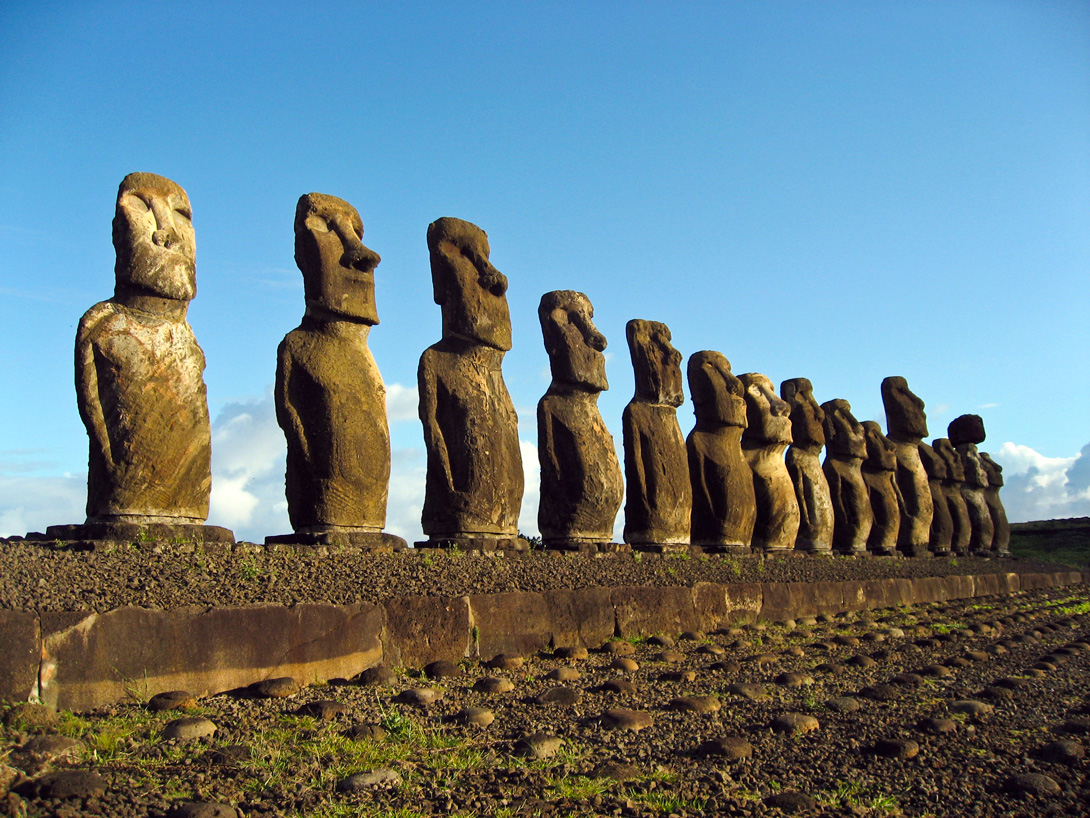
905 418
881 454
966 429
338 271
992 469
933 463
768 419
955 470
655 362
844 435
153 238
470 290
574 344
807 418
718 396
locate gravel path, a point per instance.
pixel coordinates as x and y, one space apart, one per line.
50 579
970 708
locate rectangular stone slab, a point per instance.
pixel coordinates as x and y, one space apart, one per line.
140 652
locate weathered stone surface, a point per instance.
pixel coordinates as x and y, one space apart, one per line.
846 447
804 465
369 779
189 728
942 523
580 618
422 629
278 687
21 648
879 473
139 382
767 435
906 424
330 399
794 723
97 658
66 784
955 498
515 622
1001 539
171 700
644 610
581 482
659 498
474 475
538 746
973 490
724 505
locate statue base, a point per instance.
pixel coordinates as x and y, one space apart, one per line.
812 547
735 549
476 543
661 547
378 542
574 546
915 552
153 534
941 552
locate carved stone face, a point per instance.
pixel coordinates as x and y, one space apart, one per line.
807 418
655 362
905 417
966 429
881 454
992 469
768 418
718 396
470 290
574 344
338 271
844 435
153 238
933 463
945 449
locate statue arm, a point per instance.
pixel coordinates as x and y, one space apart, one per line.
287 415
434 442
798 482
635 472
87 389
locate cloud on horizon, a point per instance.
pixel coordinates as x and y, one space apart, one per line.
1044 488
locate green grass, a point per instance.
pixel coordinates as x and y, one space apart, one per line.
1066 542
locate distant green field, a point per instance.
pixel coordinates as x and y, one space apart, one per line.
1062 541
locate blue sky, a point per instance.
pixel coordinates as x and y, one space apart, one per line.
840 191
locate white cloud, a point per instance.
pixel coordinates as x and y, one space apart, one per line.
33 503
401 403
1044 488
531 471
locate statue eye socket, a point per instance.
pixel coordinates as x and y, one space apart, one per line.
317 224
185 213
134 202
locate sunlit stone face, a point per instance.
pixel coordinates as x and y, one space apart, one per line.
807 417
338 270
717 395
655 362
470 290
574 344
844 435
153 238
768 416
905 416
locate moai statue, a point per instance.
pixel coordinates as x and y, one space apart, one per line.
1001 542
845 449
139 381
724 505
659 499
879 473
804 465
906 424
942 523
330 399
581 483
965 432
474 481
952 487
767 435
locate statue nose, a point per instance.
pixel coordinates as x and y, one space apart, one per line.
359 257
493 280
165 238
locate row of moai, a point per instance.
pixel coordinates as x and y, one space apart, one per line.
728 487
